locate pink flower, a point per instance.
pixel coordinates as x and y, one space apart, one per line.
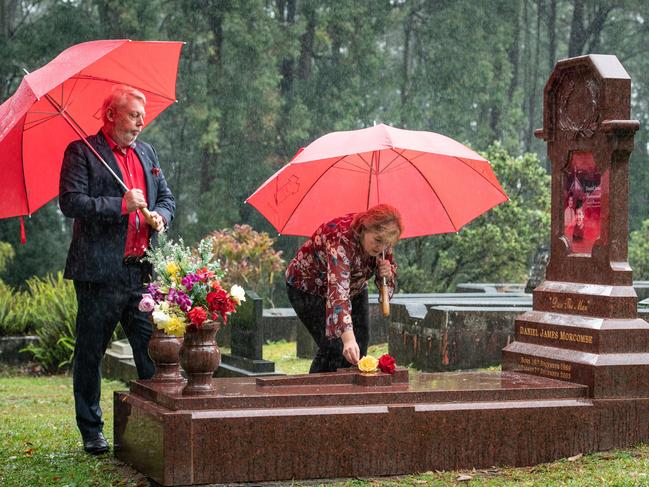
147 303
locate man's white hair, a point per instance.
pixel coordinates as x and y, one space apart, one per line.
119 95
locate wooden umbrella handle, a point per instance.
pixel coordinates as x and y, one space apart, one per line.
385 299
148 217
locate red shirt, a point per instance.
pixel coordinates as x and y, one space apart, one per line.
332 264
137 236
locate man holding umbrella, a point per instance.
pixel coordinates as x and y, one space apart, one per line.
110 237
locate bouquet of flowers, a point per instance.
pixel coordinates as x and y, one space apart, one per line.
187 290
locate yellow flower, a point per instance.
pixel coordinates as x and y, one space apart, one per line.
172 268
368 364
176 326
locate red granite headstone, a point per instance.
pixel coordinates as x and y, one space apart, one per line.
584 326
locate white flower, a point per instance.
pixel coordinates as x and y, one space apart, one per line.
160 318
238 293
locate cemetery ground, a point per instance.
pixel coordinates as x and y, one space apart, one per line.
40 444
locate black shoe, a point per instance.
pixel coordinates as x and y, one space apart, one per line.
96 445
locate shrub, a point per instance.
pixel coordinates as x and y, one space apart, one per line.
639 252
52 310
248 258
14 312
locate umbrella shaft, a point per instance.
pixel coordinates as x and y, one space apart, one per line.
72 123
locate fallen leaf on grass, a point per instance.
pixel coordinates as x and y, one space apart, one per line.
464 478
575 458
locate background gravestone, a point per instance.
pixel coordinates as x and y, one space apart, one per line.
246 333
583 326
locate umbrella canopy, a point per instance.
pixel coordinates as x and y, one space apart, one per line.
34 135
437 184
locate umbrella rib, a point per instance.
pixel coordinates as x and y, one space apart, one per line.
396 157
35 123
500 190
455 227
307 192
108 80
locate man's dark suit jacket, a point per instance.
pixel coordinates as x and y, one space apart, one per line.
89 194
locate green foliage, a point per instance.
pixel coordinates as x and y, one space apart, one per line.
52 311
639 252
15 312
496 247
248 258
7 254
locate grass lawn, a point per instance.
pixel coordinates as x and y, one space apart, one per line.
40 446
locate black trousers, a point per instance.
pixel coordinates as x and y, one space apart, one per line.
311 311
101 306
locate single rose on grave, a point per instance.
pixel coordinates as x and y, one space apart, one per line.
387 364
368 364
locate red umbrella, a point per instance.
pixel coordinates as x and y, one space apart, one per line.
437 184
61 101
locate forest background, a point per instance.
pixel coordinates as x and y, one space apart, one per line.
258 79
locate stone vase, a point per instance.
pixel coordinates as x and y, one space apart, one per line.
200 357
164 351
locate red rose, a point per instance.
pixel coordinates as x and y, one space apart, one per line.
155 171
387 364
197 316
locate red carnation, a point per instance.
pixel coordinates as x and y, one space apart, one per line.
219 302
387 364
197 315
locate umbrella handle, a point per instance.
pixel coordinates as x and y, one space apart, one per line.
385 299
385 296
148 217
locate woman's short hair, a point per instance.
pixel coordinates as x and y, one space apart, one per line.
377 219
119 94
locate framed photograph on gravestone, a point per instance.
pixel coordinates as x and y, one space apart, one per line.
582 196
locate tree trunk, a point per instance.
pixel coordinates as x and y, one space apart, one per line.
215 62
577 31
514 54
408 28
582 29
306 44
552 34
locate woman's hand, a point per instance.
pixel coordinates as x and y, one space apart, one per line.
351 352
385 268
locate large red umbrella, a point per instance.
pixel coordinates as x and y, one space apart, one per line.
437 184
61 101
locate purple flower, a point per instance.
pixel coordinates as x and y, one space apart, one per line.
189 280
147 303
154 291
180 298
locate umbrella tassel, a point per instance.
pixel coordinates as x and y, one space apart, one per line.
23 235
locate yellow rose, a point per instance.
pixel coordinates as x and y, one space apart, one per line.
368 364
172 268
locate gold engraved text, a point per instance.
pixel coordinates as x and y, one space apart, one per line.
568 304
546 368
555 335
